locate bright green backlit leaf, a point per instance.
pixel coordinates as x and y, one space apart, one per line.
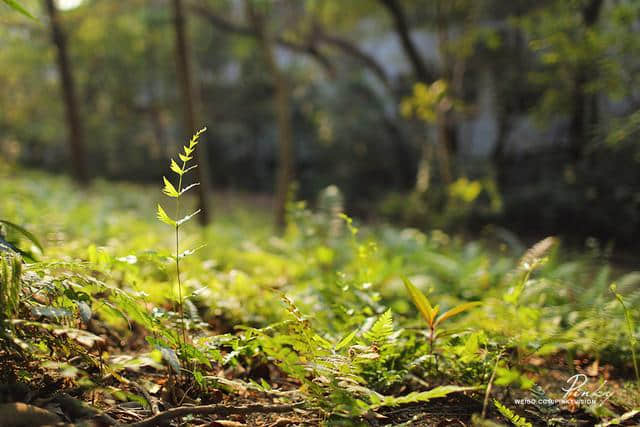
177 169
456 310
346 340
162 216
169 189
185 158
13 4
421 301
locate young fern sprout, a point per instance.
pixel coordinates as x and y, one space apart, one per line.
430 313
177 192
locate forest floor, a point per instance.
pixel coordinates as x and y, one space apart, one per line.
325 324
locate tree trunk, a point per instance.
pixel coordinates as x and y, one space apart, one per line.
74 122
446 131
190 100
402 29
283 115
581 121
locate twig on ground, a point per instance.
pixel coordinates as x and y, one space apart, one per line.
210 410
152 403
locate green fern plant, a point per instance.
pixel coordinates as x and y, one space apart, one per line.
430 313
630 329
176 192
514 418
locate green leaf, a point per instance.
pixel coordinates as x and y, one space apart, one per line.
185 158
24 232
162 216
381 330
515 419
346 340
188 217
194 139
421 301
13 4
456 310
177 169
169 189
423 396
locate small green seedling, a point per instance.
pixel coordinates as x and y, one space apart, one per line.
430 313
177 192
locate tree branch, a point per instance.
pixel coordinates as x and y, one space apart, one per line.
182 411
402 28
225 25
353 50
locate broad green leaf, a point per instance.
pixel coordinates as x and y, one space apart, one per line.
13 4
169 189
162 216
421 301
346 340
24 232
177 169
456 310
187 218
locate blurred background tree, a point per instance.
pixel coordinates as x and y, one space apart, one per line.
535 125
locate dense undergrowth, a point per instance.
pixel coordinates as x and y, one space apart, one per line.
320 316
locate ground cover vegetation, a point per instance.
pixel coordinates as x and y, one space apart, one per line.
326 324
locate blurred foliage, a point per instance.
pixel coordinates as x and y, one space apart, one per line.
353 126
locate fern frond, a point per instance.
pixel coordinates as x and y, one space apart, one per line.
536 252
514 418
381 329
417 396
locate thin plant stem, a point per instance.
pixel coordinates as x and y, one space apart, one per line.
630 329
487 392
180 307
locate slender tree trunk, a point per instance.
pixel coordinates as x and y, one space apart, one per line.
581 121
445 127
394 8
446 132
283 115
74 122
190 100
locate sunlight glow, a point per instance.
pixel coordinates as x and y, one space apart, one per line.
68 4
